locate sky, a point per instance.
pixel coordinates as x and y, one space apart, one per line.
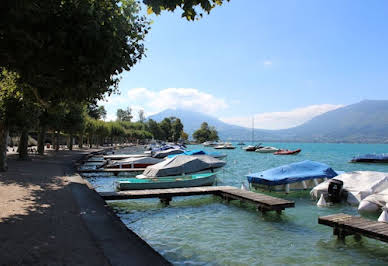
281 62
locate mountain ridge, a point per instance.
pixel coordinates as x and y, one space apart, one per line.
366 121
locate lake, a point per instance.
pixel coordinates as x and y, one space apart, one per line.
206 231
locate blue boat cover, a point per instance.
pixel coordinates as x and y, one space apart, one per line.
292 173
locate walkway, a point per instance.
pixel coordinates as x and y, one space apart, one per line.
49 216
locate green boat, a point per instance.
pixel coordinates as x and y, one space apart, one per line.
195 180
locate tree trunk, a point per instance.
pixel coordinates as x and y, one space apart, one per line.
41 139
3 146
57 140
90 141
70 143
80 141
23 145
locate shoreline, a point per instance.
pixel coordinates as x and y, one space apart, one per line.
49 215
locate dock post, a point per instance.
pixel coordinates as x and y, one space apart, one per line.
165 201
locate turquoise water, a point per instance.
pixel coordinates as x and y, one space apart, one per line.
206 231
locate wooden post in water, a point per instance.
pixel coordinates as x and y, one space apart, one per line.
165 201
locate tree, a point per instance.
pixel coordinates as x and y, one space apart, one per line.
176 129
141 116
71 47
188 6
205 133
124 115
95 111
154 128
184 136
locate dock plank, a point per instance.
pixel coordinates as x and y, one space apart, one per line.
356 225
267 203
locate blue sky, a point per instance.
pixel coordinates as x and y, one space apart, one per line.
290 59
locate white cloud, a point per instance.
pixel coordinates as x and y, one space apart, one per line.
280 120
187 98
267 62
153 102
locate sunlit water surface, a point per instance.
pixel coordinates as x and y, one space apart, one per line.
206 231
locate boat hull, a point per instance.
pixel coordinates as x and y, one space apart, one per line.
207 180
288 152
297 186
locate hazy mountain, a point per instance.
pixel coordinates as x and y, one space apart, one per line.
366 121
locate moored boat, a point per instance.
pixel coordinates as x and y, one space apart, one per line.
267 149
295 176
201 152
287 152
252 147
226 146
182 164
371 158
195 180
141 162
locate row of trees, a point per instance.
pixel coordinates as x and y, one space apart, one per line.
57 57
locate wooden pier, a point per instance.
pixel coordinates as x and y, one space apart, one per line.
115 171
345 225
263 202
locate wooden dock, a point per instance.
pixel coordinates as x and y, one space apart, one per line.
263 202
345 224
115 171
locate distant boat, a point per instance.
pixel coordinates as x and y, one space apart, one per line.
295 176
226 146
267 149
371 158
252 147
241 143
195 180
287 152
210 143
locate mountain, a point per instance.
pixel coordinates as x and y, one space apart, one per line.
193 120
366 121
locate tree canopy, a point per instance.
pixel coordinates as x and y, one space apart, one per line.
189 7
67 48
205 133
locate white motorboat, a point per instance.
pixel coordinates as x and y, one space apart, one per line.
267 149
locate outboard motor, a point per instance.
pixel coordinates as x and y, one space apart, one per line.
334 190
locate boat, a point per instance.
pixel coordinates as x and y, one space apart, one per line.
201 152
371 158
357 185
267 149
165 153
195 180
141 162
210 143
182 164
287 152
374 202
241 143
252 147
226 146
295 176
